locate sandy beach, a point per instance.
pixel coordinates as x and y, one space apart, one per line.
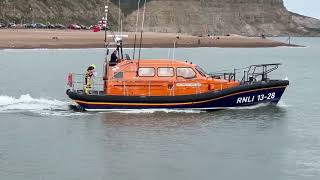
35 38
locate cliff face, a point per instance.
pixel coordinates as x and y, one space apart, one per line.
247 17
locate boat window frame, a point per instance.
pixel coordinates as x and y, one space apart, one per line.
117 73
173 71
154 72
195 73
202 72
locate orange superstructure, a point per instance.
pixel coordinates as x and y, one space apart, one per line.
161 78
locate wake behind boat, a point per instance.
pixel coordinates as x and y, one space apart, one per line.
170 84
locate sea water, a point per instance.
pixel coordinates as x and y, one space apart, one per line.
40 138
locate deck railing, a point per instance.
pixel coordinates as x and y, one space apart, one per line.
248 75
76 82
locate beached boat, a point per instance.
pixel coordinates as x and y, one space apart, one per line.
172 84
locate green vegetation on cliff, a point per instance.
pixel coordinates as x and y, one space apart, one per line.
53 11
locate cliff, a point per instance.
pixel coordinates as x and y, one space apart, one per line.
246 17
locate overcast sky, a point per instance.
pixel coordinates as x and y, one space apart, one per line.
304 7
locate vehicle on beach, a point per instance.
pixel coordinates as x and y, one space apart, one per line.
170 84
59 26
29 25
3 25
84 27
40 26
43 26
77 26
51 26
74 26
12 25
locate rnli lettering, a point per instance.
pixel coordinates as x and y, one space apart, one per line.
248 99
261 97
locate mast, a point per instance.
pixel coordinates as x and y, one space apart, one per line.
105 22
135 34
119 23
142 26
119 35
117 38
106 78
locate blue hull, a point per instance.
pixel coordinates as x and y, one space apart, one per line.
237 97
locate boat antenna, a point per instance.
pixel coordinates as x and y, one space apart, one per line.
119 23
135 34
174 49
106 44
142 26
105 23
121 28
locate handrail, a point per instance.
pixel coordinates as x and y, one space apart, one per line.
226 76
251 74
98 85
78 82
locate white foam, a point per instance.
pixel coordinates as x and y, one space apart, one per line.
25 103
282 104
250 107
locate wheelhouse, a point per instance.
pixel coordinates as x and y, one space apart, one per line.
160 78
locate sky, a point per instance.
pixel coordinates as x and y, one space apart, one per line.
304 7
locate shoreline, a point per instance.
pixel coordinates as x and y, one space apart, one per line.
75 39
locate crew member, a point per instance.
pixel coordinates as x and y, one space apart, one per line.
88 80
114 58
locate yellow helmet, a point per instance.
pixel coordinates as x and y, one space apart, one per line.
93 65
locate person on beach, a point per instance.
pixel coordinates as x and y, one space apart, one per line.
88 80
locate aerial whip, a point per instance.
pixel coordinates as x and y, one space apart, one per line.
135 34
142 27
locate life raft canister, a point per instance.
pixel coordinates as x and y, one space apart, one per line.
70 80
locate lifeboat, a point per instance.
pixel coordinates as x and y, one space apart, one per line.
172 84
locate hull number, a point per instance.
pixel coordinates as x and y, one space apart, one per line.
258 98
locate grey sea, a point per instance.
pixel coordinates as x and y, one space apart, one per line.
41 139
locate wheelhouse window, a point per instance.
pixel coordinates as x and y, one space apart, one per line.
165 72
118 75
187 73
201 71
146 72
